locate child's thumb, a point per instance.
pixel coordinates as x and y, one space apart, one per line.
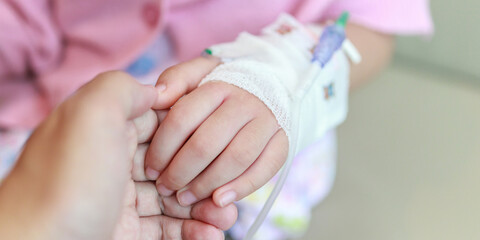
181 79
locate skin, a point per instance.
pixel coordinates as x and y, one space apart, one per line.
376 50
218 140
81 174
66 170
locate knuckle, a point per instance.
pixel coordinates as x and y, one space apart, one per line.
275 165
241 158
247 97
200 211
250 186
284 145
244 95
173 72
169 229
199 148
217 87
173 180
174 119
261 110
251 105
243 105
201 189
138 168
180 109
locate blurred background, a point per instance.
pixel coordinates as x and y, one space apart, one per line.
409 153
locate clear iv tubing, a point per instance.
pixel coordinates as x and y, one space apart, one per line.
281 180
331 40
314 70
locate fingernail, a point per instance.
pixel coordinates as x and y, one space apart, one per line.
227 198
186 198
162 87
164 191
152 174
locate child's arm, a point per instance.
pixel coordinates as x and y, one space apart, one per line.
197 130
376 49
221 137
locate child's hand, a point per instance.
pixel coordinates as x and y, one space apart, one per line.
218 139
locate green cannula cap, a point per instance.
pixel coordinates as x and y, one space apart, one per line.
343 19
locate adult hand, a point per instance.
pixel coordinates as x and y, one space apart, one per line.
74 178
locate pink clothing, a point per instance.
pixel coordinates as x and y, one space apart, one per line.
49 48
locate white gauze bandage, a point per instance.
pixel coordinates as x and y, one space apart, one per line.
276 67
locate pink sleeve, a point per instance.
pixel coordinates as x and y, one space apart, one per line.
388 16
29 40
49 48
22 105
29 46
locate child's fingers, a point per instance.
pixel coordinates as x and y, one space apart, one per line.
180 79
208 141
243 150
267 165
180 122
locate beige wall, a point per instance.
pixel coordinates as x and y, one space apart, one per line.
456 43
408 165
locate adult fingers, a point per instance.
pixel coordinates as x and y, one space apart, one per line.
146 125
163 227
149 203
138 169
112 91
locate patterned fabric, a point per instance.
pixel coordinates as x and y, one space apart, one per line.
309 181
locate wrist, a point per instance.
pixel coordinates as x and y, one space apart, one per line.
305 88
